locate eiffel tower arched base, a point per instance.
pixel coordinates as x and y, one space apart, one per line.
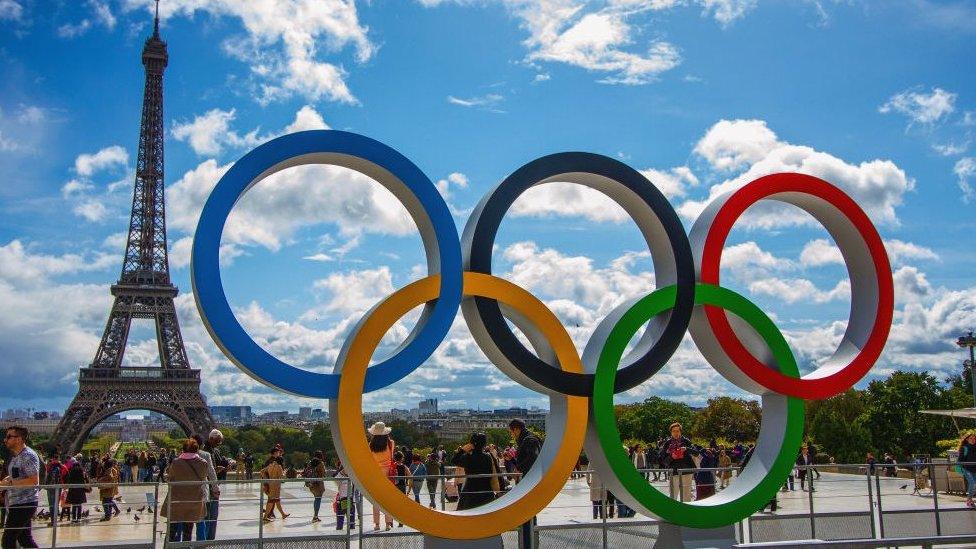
106 392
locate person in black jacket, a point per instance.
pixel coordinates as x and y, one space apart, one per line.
527 446
475 461
676 453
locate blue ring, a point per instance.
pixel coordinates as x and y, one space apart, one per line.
208 290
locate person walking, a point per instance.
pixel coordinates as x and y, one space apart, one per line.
54 475
21 478
78 489
143 466
202 526
219 465
725 463
803 467
345 501
676 454
274 471
705 475
418 472
185 503
967 465
249 467
527 448
598 493
640 461
381 446
315 471
477 490
241 456
433 469
108 488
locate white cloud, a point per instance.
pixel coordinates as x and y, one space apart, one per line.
878 186
76 187
454 179
820 252
594 41
735 144
795 290
749 256
568 199
270 213
672 183
728 11
486 102
91 209
210 133
356 291
921 107
320 257
102 15
284 42
106 159
571 199
20 266
951 148
965 170
10 10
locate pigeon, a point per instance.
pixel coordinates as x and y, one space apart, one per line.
141 509
905 486
85 514
136 517
128 509
98 509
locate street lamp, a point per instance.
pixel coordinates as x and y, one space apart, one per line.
970 341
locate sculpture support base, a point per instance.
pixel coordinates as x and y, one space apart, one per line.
495 542
672 536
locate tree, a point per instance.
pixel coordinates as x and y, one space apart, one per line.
649 420
846 441
893 414
732 419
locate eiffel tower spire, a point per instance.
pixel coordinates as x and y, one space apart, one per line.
144 290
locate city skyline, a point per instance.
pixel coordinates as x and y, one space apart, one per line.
692 96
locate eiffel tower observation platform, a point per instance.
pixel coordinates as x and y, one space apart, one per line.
139 374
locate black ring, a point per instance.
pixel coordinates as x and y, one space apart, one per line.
479 239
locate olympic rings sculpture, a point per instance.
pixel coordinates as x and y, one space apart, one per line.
745 347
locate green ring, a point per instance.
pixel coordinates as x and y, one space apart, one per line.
694 514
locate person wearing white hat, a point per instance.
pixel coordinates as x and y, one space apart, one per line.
381 445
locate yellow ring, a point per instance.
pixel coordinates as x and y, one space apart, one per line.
527 498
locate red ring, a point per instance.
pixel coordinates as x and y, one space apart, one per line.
806 388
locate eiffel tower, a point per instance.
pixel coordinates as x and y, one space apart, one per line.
144 290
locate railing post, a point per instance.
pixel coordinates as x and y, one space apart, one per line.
808 474
359 498
935 499
260 516
54 517
155 513
877 484
874 526
169 514
603 515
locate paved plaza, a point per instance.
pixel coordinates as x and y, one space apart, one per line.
239 510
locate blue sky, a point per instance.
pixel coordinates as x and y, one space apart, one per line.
700 95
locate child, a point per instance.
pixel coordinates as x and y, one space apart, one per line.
344 501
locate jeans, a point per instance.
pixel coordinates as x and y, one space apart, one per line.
18 526
52 499
597 508
207 528
970 477
180 531
316 505
416 494
76 512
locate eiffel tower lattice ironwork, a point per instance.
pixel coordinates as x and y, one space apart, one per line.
144 290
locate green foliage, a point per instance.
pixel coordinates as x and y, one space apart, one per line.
649 420
893 414
728 418
946 445
499 437
100 444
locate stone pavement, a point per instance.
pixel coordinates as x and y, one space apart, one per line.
239 512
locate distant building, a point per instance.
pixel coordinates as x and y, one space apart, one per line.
305 412
16 413
231 414
428 407
274 416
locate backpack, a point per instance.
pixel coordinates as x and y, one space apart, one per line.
419 471
53 475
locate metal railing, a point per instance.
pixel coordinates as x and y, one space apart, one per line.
834 503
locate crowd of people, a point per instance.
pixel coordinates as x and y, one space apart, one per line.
474 474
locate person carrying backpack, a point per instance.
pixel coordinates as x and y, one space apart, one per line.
54 475
418 470
315 470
